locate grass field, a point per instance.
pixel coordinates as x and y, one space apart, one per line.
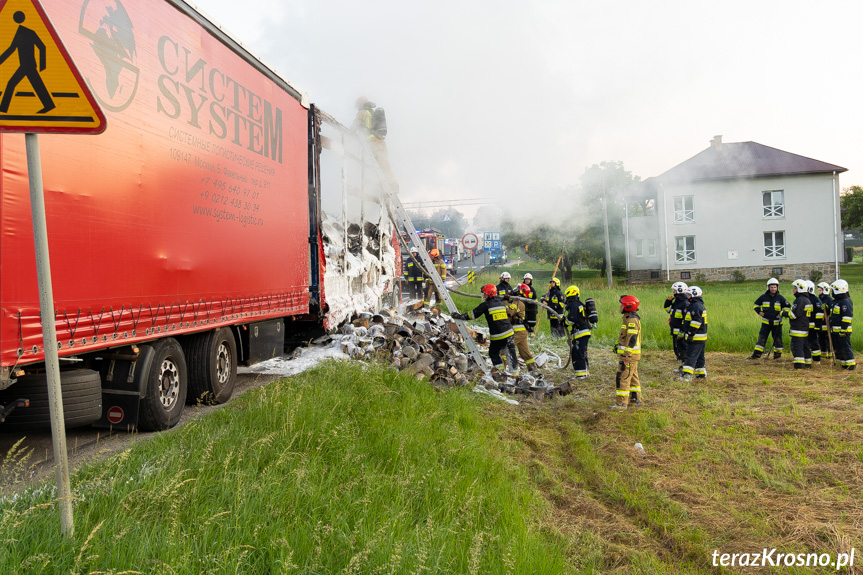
352 468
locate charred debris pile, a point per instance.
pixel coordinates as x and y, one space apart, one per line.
425 343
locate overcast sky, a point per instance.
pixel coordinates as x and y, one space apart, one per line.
514 100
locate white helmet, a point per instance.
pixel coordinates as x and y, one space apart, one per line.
773 282
505 276
825 287
810 286
528 276
839 286
679 287
695 291
800 285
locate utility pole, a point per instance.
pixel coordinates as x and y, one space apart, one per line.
607 242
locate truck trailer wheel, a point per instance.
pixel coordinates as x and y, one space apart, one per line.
212 358
82 400
167 385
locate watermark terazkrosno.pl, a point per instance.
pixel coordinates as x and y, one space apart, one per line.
773 558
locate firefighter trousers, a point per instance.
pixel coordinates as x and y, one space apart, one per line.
814 344
679 343
768 329
628 384
505 345
694 363
557 327
578 355
520 339
824 343
844 353
801 351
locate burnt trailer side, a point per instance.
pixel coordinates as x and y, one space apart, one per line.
183 240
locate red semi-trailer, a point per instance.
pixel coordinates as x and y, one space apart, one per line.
183 240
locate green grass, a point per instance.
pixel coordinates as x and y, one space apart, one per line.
732 324
345 469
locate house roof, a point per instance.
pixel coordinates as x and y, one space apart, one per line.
744 160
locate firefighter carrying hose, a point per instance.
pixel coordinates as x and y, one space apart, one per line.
530 309
771 306
440 266
578 318
499 329
628 354
554 299
841 315
516 311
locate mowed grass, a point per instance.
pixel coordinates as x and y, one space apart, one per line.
344 469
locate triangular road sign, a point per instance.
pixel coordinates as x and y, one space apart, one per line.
41 90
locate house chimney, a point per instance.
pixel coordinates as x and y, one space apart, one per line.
716 142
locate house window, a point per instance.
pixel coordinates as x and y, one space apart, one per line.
683 211
774 203
685 276
639 248
684 250
777 271
654 275
774 245
651 247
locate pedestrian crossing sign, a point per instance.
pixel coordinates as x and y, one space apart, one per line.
470 277
41 89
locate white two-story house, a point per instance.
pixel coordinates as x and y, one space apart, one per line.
742 207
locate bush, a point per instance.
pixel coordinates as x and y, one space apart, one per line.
849 254
815 276
738 276
700 278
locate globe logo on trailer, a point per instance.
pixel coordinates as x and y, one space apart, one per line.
109 28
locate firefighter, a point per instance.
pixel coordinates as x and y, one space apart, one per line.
554 299
577 318
628 354
695 330
370 123
499 329
771 306
414 275
826 303
676 305
431 288
816 321
503 287
516 311
799 314
530 309
841 314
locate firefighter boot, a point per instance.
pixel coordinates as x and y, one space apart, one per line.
777 354
755 355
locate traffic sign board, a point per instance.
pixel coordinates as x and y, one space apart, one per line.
115 414
41 89
469 241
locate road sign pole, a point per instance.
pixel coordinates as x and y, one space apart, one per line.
49 334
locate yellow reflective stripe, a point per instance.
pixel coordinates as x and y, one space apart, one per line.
519 328
500 336
622 393
702 337
632 331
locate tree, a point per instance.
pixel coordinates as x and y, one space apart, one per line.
851 203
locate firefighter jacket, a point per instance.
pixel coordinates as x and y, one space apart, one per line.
629 340
799 314
576 317
554 299
503 288
826 307
695 320
773 306
816 320
413 272
515 311
531 309
496 317
364 121
676 308
841 314
440 266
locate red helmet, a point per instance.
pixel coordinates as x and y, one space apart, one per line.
524 290
489 289
630 302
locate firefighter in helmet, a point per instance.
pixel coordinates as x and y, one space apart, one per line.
440 267
676 305
628 354
414 275
516 311
841 315
771 306
503 287
500 332
370 124
695 330
555 299
816 320
530 309
826 303
799 314
577 319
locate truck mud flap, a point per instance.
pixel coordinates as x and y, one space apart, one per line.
263 340
124 383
